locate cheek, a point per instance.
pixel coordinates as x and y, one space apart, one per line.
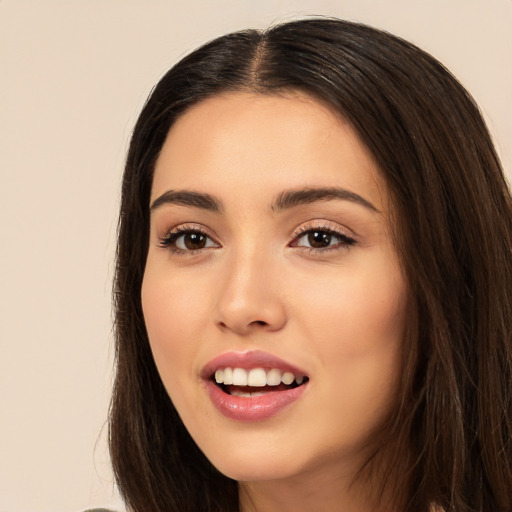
176 316
360 311
173 314
358 331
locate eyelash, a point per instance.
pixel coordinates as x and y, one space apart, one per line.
169 240
344 241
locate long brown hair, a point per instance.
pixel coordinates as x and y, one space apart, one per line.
452 215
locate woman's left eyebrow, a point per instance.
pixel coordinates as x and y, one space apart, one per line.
291 198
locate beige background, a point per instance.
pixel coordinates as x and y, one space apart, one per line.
74 75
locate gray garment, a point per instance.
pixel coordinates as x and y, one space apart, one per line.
98 510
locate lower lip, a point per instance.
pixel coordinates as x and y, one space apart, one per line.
254 408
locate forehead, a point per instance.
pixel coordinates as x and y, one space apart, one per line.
246 142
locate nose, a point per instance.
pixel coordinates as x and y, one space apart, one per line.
249 297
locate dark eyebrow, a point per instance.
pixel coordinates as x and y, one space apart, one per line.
291 198
188 198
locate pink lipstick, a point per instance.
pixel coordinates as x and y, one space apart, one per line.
252 386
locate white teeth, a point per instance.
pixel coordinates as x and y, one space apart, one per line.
287 378
256 377
228 376
236 392
274 377
239 377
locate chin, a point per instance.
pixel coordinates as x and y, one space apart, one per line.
249 471
253 462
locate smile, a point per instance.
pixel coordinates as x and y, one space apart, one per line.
252 386
257 377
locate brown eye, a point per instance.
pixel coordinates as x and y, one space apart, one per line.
187 240
192 241
319 239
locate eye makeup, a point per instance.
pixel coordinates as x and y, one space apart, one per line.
187 239
322 236
319 236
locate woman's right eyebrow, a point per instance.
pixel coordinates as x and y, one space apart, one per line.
188 198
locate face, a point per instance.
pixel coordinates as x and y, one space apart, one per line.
273 296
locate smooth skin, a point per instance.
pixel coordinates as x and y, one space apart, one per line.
251 275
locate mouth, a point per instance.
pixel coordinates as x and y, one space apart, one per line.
254 385
256 382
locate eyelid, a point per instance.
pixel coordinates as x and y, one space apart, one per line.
345 238
164 240
324 225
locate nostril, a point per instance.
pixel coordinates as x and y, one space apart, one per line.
242 328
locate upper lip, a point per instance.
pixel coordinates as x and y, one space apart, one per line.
248 360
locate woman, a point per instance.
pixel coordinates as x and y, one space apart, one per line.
313 288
